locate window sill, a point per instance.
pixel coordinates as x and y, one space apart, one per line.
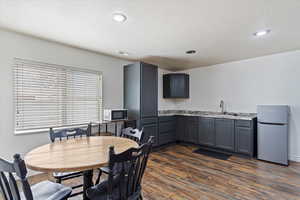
46 130
28 132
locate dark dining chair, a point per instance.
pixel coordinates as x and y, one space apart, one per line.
45 190
130 133
70 133
133 134
125 184
66 134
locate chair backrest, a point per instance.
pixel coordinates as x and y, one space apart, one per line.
134 134
130 123
131 167
70 133
8 184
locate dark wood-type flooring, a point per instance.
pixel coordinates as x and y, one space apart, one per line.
175 172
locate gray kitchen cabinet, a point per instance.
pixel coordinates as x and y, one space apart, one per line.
181 132
148 90
244 137
166 130
192 129
140 97
236 136
165 127
167 118
150 130
132 91
225 134
206 132
140 90
176 85
187 129
166 138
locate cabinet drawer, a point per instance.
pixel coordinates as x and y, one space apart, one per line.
243 123
166 126
149 120
166 118
166 138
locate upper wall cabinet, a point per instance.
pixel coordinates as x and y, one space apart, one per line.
176 85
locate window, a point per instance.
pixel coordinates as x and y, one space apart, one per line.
48 95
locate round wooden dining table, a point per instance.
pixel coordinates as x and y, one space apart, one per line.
76 154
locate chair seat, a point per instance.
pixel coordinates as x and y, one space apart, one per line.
47 190
65 174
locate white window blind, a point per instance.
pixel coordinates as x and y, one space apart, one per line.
48 95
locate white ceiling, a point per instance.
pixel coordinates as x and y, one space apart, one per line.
160 31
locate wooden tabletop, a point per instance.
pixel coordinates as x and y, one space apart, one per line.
76 154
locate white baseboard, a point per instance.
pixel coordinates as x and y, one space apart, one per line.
294 158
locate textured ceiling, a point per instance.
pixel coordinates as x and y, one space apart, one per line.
160 31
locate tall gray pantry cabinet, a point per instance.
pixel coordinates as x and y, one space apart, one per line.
140 97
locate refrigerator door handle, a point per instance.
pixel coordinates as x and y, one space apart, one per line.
278 124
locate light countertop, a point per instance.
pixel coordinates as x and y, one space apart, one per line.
237 116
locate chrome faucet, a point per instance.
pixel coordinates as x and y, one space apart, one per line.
222 106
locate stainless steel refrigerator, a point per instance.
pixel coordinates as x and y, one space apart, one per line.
272 133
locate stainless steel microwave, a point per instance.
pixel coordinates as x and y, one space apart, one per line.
115 114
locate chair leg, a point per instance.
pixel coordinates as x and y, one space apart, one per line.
67 197
58 180
99 175
141 197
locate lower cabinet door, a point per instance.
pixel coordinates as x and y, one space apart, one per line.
150 130
192 129
166 126
244 140
225 134
181 132
165 138
206 132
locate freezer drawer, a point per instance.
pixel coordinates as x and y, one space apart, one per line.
273 114
273 143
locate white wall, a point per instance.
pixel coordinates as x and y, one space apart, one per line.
244 84
16 45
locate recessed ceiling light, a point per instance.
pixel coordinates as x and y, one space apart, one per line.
261 33
190 52
119 17
123 53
